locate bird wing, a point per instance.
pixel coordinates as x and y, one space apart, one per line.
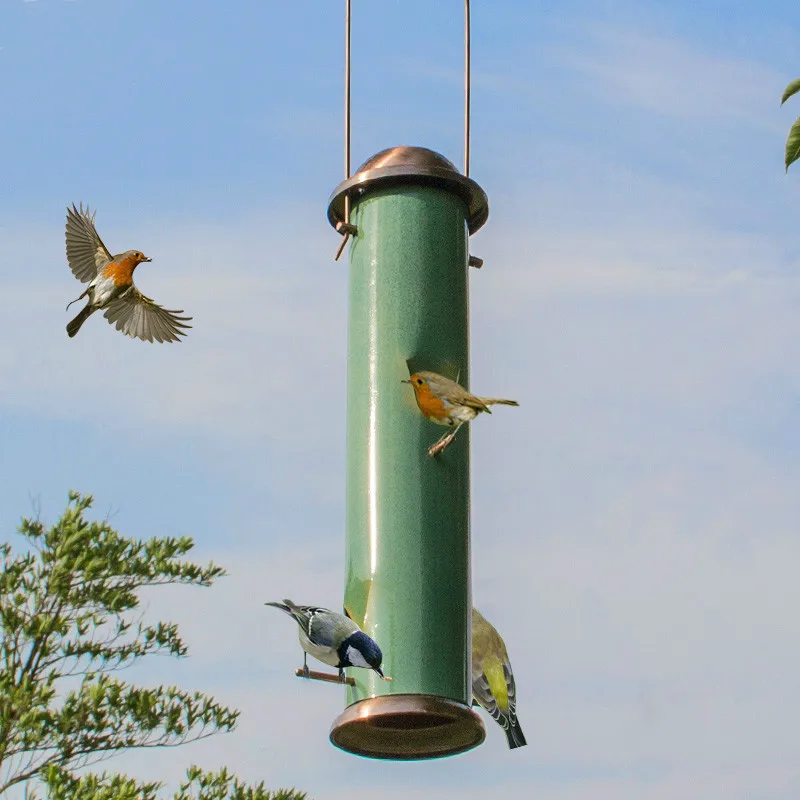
322 627
86 253
454 392
474 402
492 679
138 316
329 629
482 694
489 687
304 616
495 690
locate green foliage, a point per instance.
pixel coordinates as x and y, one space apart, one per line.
793 141
68 611
61 785
217 786
199 785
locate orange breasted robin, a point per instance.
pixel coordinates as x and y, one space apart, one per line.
111 286
445 402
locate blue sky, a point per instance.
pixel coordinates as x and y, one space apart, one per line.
635 526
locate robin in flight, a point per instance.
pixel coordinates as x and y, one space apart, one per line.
447 403
111 286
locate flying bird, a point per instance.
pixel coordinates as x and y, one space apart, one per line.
446 402
111 286
493 685
332 638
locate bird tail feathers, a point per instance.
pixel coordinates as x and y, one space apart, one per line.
75 325
288 607
493 401
285 606
515 736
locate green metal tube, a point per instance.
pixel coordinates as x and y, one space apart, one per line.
408 538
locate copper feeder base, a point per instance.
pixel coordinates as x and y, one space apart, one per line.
407 727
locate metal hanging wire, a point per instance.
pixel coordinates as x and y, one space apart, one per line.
467 71
345 227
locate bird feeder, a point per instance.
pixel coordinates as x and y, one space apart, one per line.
407 213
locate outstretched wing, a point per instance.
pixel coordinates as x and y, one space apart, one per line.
138 316
86 253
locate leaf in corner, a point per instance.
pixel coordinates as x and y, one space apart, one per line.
793 144
792 88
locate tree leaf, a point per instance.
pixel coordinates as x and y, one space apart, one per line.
793 144
792 88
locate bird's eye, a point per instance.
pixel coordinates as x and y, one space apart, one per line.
419 381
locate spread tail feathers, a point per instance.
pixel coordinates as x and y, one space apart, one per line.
75 325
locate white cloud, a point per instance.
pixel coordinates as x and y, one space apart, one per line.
673 77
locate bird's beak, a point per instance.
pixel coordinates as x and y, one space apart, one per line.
405 381
147 259
379 671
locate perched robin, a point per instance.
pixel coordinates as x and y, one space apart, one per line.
492 679
111 286
447 403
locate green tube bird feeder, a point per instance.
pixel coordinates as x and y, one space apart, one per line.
408 213
408 538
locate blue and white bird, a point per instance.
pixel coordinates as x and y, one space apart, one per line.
332 638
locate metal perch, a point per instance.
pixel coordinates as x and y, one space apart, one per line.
327 677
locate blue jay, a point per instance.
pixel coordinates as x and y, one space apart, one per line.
492 679
332 638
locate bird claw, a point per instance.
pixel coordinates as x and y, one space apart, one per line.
306 672
438 447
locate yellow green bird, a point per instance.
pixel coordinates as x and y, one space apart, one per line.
492 679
